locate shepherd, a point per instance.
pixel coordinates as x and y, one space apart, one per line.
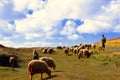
103 42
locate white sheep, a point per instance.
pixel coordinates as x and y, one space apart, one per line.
12 61
50 62
37 66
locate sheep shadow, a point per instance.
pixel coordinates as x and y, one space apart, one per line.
58 71
50 77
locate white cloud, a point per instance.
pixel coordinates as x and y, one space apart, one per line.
117 28
1 5
36 24
7 42
69 28
94 26
32 35
36 44
60 43
28 4
7 13
6 28
98 16
105 21
50 13
73 37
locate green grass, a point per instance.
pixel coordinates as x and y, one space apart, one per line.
68 67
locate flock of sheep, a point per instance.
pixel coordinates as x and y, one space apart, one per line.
81 50
40 65
37 65
45 64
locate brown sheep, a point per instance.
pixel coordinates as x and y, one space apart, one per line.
84 53
93 46
35 54
76 51
66 51
50 62
44 51
50 51
37 66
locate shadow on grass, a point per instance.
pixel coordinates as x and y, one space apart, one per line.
57 71
50 77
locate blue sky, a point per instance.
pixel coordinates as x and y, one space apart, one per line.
39 23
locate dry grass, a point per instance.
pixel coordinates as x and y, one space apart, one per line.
111 43
68 67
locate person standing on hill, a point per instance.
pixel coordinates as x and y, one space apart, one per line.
103 42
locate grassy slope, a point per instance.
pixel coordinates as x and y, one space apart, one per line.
68 67
115 42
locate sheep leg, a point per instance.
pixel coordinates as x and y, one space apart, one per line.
79 56
13 67
41 76
30 77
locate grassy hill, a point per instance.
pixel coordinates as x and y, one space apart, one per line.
97 67
115 42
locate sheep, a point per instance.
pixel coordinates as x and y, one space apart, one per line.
84 53
59 47
76 51
71 49
12 61
66 51
37 66
93 46
35 54
45 50
50 62
50 51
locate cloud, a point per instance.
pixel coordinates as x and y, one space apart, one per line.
36 44
28 5
105 21
70 30
6 29
7 42
7 13
73 37
47 16
93 26
32 35
117 28
40 19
